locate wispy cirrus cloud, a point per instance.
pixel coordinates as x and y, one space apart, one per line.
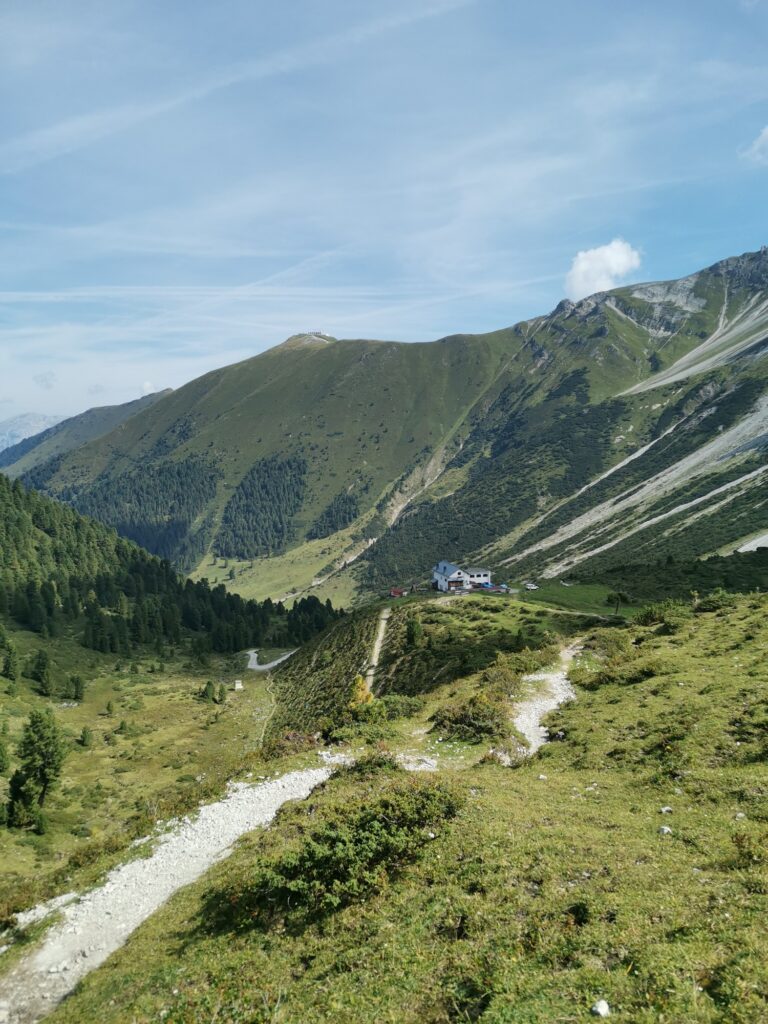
757 152
74 133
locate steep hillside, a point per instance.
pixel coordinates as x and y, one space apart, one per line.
673 464
293 444
17 428
633 417
624 863
50 440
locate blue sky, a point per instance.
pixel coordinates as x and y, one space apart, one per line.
184 184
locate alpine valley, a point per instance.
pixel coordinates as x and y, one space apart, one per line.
629 425
254 770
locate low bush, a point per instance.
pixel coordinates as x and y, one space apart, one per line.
373 764
484 715
622 673
670 615
716 601
349 856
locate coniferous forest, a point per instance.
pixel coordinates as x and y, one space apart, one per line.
257 518
61 570
342 511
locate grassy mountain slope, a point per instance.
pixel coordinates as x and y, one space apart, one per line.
345 466
545 887
359 419
66 435
557 482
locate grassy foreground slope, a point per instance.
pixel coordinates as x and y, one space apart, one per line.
545 886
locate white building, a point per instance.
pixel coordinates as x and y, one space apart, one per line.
446 577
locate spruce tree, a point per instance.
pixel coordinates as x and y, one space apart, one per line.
41 671
11 668
42 751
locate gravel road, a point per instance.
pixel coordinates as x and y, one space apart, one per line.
101 921
254 666
373 664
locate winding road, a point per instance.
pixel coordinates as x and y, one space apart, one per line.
254 666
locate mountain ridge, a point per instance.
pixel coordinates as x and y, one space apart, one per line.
399 453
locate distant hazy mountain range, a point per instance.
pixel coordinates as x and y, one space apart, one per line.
630 425
17 428
58 437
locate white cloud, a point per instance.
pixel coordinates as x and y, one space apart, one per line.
601 268
758 151
148 388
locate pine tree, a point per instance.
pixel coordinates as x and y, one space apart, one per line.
222 694
11 664
41 671
5 761
413 632
86 737
42 751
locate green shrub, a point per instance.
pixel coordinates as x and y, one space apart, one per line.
716 601
372 764
352 854
484 715
671 615
751 849
623 673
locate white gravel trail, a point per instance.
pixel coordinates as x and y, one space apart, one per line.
373 664
552 690
102 920
254 666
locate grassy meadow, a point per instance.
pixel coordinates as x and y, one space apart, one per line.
156 749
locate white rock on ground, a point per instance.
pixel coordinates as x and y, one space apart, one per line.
601 1009
97 925
43 910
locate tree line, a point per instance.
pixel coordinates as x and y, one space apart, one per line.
61 570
